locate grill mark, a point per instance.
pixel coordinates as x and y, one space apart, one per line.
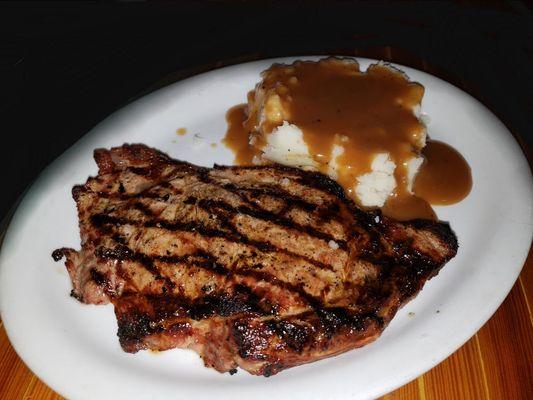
97 277
223 209
264 215
154 314
100 220
312 301
198 259
290 200
141 171
223 304
143 208
242 301
272 191
276 218
209 262
221 212
295 335
231 234
325 214
146 194
122 253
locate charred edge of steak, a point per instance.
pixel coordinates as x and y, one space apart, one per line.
295 335
149 312
223 304
58 254
405 270
141 160
260 341
133 328
442 230
139 154
243 300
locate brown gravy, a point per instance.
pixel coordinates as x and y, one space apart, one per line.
366 113
333 103
406 207
238 135
445 177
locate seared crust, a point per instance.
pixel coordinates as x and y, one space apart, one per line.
262 268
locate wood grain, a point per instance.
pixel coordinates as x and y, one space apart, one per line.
497 363
506 344
15 377
460 376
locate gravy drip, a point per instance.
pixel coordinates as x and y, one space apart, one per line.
445 177
238 135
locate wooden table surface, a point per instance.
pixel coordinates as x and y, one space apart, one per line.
497 363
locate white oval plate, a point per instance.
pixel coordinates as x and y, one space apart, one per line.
74 348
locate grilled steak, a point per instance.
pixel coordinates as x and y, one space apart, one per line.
262 268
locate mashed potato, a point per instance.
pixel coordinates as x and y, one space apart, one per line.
279 137
285 145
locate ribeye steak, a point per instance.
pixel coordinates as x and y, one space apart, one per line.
262 268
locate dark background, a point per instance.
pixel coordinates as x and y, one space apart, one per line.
66 66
